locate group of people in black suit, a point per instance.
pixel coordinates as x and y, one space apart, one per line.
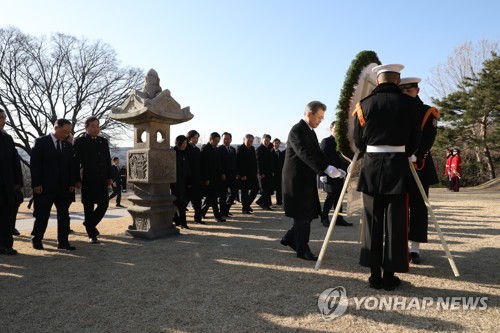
219 173
58 166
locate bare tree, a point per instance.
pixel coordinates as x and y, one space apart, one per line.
466 62
43 79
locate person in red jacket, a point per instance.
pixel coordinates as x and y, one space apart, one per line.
447 169
455 170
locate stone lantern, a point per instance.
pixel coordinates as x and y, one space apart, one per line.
151 163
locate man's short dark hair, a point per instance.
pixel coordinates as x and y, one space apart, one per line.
314 106
214 135
191 134
276 139
61 122
228 134
115 158
89 120
266 136
332 124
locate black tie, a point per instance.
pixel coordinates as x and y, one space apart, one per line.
58 146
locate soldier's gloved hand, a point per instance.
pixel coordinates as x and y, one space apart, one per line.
412 158
323 179
333 172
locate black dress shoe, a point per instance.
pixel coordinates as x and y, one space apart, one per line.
220 219
246 212
199 222
390 283
250 209
120 206
229 214
8 251
185 226
132 227
285 243
71 231
375 282
37 245
15 232
308 256
343 223
325 222
93 240
66 247
415 258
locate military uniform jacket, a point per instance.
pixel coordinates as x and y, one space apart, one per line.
386 117
93 157
10 169
426 169
304 160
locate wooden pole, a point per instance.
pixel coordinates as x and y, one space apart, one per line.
336 213
436 224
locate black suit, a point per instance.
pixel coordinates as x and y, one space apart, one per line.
278 161
10 178
54 171
265 170
386 117
195 192
247 171
228 168
333 186
117 188
304 160
93 157
211 173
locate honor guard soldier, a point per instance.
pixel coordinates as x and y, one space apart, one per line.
386 131
426 171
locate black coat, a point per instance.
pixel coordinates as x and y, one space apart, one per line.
194 159
247 165
116 174
93 157
329 147
53 170
390 118
304 160
228 161
264 161
211 169
183 176
10 170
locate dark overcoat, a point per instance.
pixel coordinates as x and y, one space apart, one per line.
304 160
329 147
10 169
246 163
93 157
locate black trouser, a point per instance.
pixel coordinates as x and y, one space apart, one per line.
6 239
419 217
385 214
266 190
248 195
299 236
332 198
117 192
194 195
211 196
94 216
180 215
278 189
42 205
227 198
455 184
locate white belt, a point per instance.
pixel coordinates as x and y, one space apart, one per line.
385 149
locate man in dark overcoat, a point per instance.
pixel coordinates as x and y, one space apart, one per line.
94 159
332 186
278 161
246 163
386 131
211 172
426 170
52 167
228 183
11 179
265 171
304 160
195 192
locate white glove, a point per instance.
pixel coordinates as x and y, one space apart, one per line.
323 179
333 172
412 158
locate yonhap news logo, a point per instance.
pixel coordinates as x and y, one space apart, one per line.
333 303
